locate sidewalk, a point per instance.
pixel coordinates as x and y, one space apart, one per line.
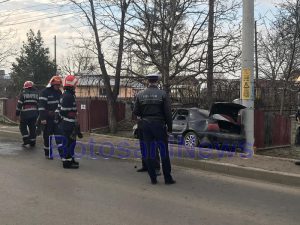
271 169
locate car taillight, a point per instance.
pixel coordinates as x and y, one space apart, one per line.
213 127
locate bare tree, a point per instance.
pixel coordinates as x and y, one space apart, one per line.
100 16
172 37
7 46
169 36
79 60
280 48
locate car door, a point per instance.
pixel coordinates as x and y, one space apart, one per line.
180 121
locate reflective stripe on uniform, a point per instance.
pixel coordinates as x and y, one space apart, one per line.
43 98
68 109
32 139
30 109
46 148
53 102
20 102
26 135
69 120
64 159
42 108
30 101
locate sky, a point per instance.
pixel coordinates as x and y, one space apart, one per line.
54 18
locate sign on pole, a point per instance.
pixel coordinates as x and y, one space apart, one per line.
246 84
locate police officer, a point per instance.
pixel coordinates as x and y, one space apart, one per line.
27 109
153 106
67 111
48 103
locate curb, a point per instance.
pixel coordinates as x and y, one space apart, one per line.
290 179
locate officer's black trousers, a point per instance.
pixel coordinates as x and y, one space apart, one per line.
155 135
27 129
144 150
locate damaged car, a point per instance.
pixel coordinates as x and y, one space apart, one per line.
197 127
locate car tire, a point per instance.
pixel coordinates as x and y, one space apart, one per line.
191 139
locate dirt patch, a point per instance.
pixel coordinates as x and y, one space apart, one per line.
291 152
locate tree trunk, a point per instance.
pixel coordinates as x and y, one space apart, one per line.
112 117
282 100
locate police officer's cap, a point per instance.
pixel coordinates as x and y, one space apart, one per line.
153 76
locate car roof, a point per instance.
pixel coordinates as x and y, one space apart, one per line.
202 111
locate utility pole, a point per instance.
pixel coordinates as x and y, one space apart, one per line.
256 64
210 53
256 55
55 54
247 81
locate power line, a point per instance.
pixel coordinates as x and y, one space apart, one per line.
13 12
36 6
4 1
49 6
29 21
39 16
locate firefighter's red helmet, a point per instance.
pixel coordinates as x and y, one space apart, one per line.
55 80
28 84
70 81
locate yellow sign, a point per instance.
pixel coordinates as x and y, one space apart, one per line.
246 84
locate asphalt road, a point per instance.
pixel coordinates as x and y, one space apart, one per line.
36 191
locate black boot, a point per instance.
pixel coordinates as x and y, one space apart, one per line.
297 163
143 169
169 182
75 162
25 142
32 143
69 165
153 181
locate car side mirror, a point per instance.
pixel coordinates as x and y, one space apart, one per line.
181 118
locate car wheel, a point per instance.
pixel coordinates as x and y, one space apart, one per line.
191 139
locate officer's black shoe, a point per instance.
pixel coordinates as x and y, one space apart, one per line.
142 170
157 171
169 182
297 163
69 165
75 162
25 143
32 144
153 181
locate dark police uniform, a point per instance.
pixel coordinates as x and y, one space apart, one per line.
143 151
48 103
27 109
67 111
153 106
